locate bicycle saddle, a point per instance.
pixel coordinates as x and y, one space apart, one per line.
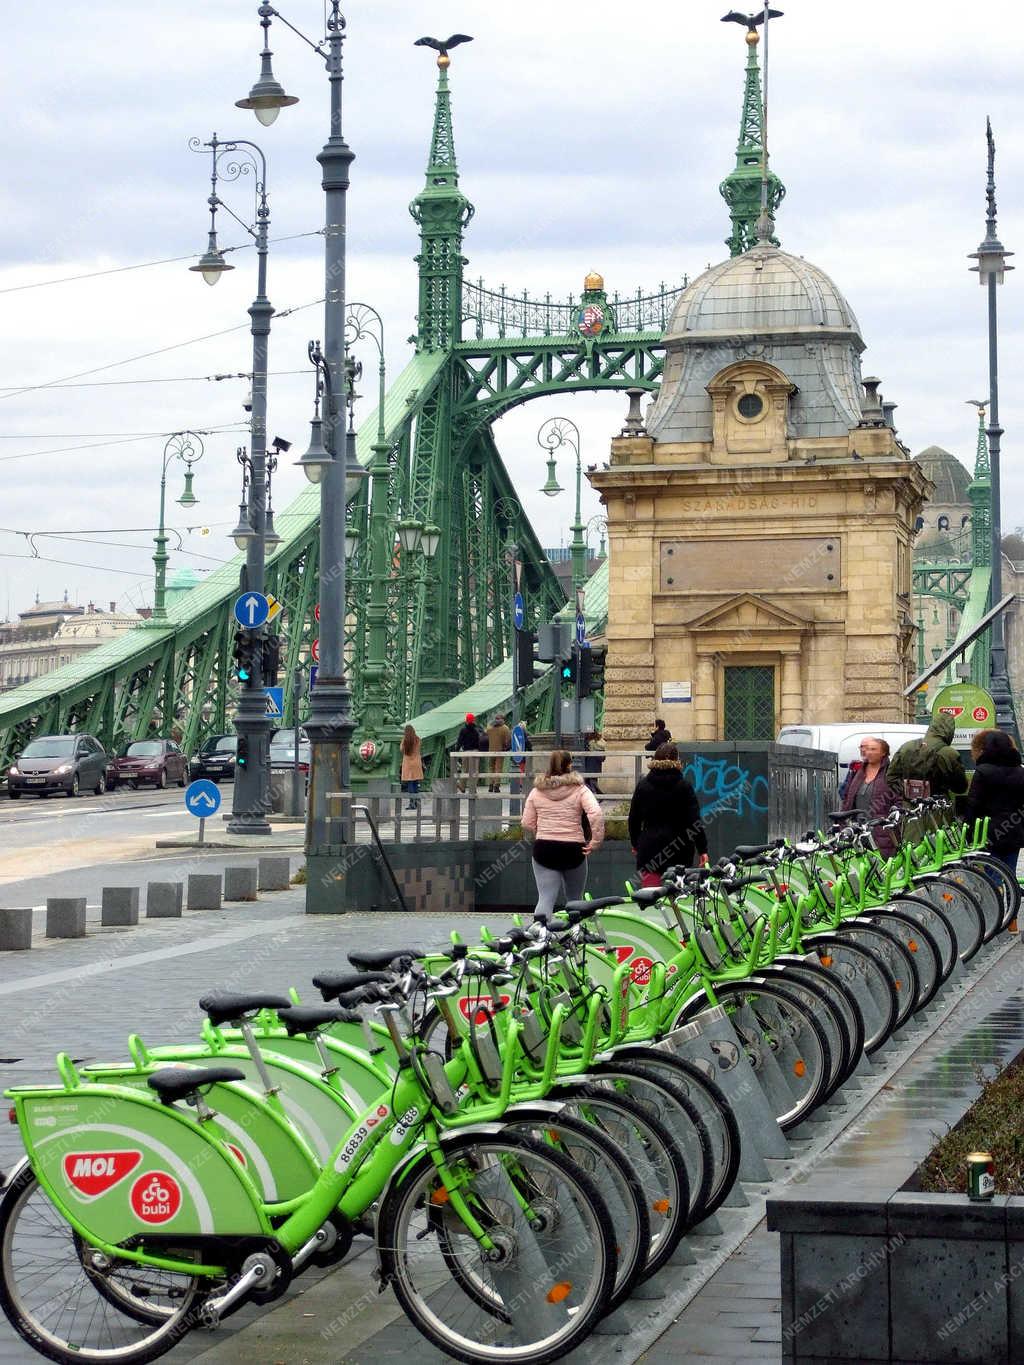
647 895
224 1007
305 1018
377 958
332 984
176 1082
581 909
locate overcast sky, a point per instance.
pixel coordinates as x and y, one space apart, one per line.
589 135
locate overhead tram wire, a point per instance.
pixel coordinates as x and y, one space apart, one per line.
78 564
146 355
168 379
127 440
144 265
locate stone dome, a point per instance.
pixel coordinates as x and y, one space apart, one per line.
950 478
764 291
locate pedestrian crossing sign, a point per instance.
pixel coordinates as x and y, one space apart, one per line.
275 702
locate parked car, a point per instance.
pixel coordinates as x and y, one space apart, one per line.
215 759
282 750
67 763
158 761
843 738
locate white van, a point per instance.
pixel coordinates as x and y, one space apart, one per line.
844 739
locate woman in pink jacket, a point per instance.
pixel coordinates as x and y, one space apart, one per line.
554 814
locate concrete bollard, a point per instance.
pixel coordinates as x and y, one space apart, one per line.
15 929
204 889
275 874
163 900
120 905
65 917
240 883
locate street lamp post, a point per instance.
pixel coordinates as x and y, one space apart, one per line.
187 447
330 721
991 268
251 798
554 433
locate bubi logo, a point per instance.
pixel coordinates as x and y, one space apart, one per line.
480 1007
155 1197
640 970
91 1174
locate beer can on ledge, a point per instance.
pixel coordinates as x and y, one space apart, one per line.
981 1179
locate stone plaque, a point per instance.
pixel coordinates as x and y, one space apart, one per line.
767 564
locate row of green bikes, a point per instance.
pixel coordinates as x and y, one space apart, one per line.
512 1122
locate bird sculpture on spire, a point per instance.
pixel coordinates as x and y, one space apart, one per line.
751 20
441 46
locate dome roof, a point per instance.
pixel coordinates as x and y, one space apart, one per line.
950 478
763 291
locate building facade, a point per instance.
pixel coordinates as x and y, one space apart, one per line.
51 634
760 517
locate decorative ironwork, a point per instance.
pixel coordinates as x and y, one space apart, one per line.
505 314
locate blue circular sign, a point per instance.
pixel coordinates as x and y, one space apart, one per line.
518 610
518 742
581 628
251 610
202 798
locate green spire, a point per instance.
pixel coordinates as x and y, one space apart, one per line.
980 493
741 190
442 211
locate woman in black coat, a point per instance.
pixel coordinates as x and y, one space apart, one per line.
665 827
997 790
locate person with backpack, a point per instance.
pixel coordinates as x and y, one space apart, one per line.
931 759
665 825
565 819
997 790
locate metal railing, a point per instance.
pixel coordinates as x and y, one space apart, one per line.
519 315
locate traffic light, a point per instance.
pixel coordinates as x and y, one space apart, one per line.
245 656
271 659
569 670
597 661
525 669
585 677
242 752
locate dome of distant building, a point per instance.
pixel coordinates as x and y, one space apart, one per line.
950 478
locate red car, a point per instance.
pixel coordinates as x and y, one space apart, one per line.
157 761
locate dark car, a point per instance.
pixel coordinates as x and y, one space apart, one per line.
158 761
67 763
216 758
282 750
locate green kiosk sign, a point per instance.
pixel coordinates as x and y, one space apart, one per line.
971 707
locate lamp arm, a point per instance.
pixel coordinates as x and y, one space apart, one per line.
276 14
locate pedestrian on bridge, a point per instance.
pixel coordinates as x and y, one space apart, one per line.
499 738
412 766
470 740
565 819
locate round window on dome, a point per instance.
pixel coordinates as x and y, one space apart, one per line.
750 406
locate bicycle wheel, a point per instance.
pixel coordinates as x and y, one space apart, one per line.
938 925
549 1272
648 1145
714 1109
917 940
617 1182
842 1002
869 980
765 1015
827 1016
961 909
659 1097
986 894
1002 878
49 1289
887 947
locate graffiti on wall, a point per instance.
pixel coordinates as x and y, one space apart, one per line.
723 786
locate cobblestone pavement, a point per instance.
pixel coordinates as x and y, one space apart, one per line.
85 996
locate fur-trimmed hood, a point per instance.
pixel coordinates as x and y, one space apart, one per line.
657 765
558 787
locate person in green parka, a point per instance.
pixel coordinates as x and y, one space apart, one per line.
932 759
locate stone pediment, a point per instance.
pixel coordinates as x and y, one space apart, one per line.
746 612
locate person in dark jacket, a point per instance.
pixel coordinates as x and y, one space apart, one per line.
868 790
932 759
665 826
659 735
997 790
470 739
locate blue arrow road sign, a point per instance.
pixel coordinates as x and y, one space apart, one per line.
518 742
275 702
251 610
518 610
581 628
202 798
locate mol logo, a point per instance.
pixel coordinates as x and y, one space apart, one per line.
155 1197
91 1174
